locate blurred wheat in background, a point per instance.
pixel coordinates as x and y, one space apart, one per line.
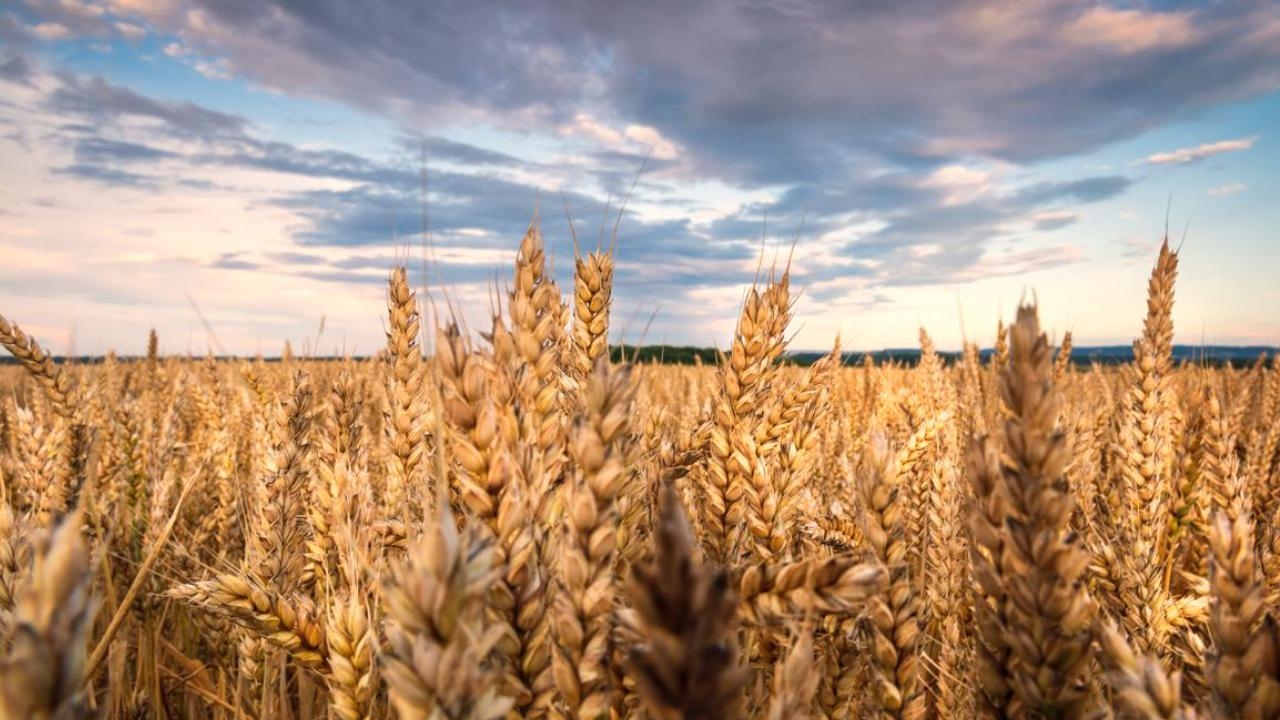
519 525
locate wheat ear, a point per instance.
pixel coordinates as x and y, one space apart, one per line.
43 673
686 663
39 364
437 661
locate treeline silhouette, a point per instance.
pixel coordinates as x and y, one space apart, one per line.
1208 355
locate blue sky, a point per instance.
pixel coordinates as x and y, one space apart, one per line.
261 161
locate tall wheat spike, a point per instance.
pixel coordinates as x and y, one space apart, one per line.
893 614
405 422
533 360
1145 455
736 482
592 300
1033 562
585 600
281 524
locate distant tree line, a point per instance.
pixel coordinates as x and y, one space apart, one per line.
1208 355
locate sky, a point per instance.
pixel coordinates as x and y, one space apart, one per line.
238 173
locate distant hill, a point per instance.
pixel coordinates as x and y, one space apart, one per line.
1237 355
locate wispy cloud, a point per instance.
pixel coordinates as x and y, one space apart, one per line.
1183 156
108 176
1054 219
1225 189
130 31
99 99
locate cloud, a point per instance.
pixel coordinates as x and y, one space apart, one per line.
438 148
14 68
763 93
1087 190
234 261
900 229
60 19
105 101
1136 247
215 69
1131 31
225 140
12 32
1183 156
108 176
280 157
1225 189
1054 219
873 216
298 258
959 183
98 150
130 31
51 31
480 211
640 139
763 97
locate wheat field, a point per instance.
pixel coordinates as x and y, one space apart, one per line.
514 526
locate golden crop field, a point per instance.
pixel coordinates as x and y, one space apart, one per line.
515 527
